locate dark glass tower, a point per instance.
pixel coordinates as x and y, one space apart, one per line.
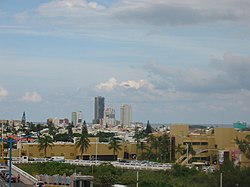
99 109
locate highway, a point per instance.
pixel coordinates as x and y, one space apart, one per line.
5 184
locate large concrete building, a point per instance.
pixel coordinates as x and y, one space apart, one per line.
76 118
110 117
125 115
99 109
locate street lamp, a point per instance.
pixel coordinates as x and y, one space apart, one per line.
10 159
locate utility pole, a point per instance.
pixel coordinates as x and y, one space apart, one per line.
10 175
187 153
170 149
221 180
137 179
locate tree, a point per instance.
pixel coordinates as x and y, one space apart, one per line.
142 146
83 142
164 146
70 131
52 129
152 152
32 127
138 136
190 150
39 127
148 128
179 150
62 138
244 145
115 145
27 134
84 128
45 142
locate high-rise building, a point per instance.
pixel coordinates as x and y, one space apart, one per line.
99 109
125 115
76 118
23 122
110 117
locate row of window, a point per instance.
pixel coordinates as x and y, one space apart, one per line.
52 154
195 143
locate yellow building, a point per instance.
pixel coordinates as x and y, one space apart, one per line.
209 145
96 149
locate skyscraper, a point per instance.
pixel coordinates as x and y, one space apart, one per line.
76 118
23 122
99 109
126 115
110 117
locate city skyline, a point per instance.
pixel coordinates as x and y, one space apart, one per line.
173 62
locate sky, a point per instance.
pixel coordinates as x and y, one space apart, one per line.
172 61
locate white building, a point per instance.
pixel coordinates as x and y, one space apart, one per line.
125 115
76 118
110 117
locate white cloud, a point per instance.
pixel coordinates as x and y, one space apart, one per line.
69 9
133 84
112 84
107 86
3 93
33 97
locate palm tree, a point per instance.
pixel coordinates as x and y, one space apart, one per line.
45 142
138 136
27 134
179 150
142 146
190 150
83 143
154 143
115 145
164 146
244 145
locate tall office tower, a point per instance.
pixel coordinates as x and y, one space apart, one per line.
125 115
23 122
76 118
99 109
110 117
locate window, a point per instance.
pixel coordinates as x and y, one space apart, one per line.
204 143
195 143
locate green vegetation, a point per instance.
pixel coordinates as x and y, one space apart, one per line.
83 140
45 142
115 145
103 136
180 176
244 145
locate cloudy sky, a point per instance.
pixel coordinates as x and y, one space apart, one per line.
173 61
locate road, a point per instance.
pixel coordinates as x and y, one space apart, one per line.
5 184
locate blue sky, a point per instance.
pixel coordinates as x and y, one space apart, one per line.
183 62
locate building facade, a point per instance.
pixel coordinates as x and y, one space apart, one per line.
76 118
99 109
125 115
110 117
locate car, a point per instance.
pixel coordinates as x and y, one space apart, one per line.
13 178
39 184
2 171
